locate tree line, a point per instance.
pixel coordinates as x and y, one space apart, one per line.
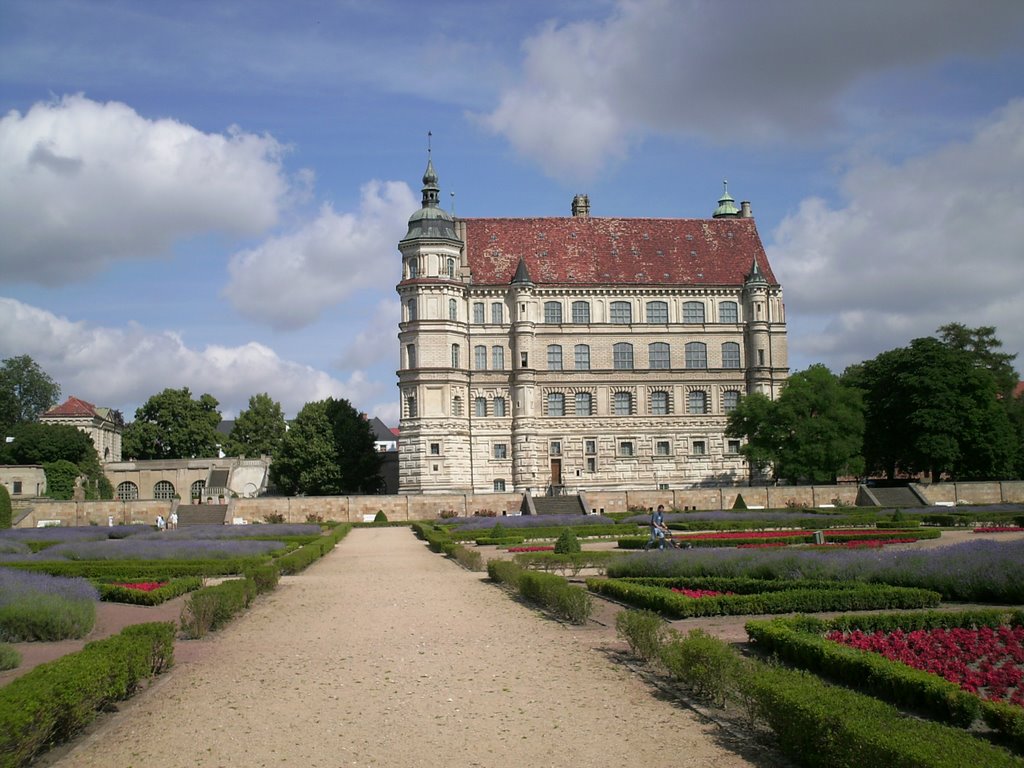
327 450
942 406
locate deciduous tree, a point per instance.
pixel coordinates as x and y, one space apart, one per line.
172 425
26 391
258 430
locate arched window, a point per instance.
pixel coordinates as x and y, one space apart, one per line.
163 490
693 312
480 407
622 403
697 402
584 404
456 356
728 312
730 400
196 491
581 312
453 309
552 312
556 404
127 491
498 358
450 268
478 312
657 312
581 353
497 313
659 403
457 405
410 355
622 356
554 357
412 310
730 355
480 357
658 354
621 312
499 406
696 355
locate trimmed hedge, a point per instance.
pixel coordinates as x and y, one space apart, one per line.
438 540
848 597
571 563
139 570
295 561
55 701
638 542
210 608
818 724
551 592
503 541
543 531
174 587
1008 719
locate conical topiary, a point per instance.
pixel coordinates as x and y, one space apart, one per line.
567 542
739 503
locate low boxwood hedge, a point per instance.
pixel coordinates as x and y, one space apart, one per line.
835 597
551 592
570 562
918 534
56 700
210 608
139 570
295 561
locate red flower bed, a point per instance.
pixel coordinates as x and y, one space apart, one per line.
1000 529
986 661
530 549
143 586
696 594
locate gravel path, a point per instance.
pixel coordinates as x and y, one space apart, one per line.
384 654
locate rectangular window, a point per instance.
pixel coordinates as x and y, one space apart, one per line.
659 403
730 400
453 309
622 403
581 312
662 448
590 447
591 464
697 403
497 314
625 448
552 312
732 447
659 355
657 312
478 312
662 486
480 407
621 312
498 358
699 448
410 355
556 404
435 449
480 357
456 358
622 356
501 450
584 404
16 487
730 355
555 449
554 357
582 355
696 355
499 406
693 312
499 486
524 360
760 357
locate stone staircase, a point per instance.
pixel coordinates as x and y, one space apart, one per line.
558 505
896 496
201 514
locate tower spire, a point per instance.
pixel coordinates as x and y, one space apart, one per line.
431 191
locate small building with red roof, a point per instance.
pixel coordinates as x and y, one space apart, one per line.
103 425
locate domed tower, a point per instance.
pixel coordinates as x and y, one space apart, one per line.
433 375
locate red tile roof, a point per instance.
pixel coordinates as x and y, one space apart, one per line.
73 407
598 251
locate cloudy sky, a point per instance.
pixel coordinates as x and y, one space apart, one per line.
209 194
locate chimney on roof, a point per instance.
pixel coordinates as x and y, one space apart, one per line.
745 210
581 207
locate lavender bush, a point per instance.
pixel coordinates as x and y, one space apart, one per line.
194 532
517 522
160 548
36 606
977 571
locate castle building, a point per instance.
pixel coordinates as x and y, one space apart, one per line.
103 425
581 353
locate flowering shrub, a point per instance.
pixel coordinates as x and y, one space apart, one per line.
1000 529
986 661
35 606
531 549
144 586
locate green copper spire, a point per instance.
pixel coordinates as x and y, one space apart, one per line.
726 205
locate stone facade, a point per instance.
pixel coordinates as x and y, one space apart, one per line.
23 481
581 353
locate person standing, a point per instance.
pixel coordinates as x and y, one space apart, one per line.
658 528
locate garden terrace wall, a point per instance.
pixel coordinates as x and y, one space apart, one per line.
296 509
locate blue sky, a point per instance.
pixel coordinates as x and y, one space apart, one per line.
209 194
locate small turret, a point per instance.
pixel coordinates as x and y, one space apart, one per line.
581 207
726 205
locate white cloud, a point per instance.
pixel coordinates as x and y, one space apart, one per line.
913 246
84 183
741 71
288 281
122 367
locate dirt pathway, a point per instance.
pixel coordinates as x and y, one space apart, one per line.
384 654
